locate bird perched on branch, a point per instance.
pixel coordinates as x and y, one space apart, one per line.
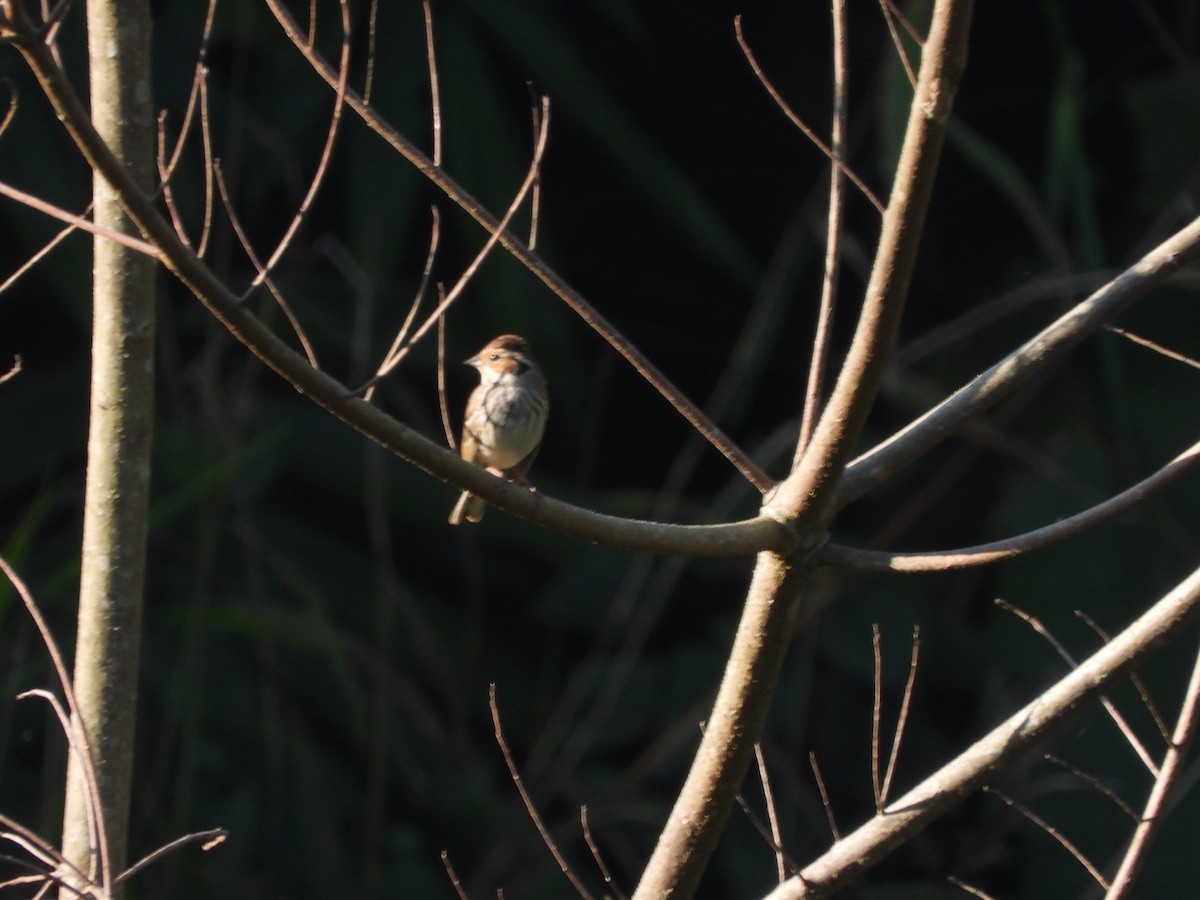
504 419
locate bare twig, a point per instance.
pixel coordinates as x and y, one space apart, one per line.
902 718
435 101
443 405
1135 679
682 404
402 348
772 813
982 554
833 156
820 781
244 239
435 231
453 876
372 36
815 386
890 15
13 371
208 840
1155 346
75 221
1052 831
1032 358
528 801
1095 783
1119 720
1155 811
339 106
591 843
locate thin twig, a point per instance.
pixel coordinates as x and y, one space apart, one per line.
13 371
890 13
78 221
1156 347
435 101
1155 810
453 876
969 888
595 850
75 729
983 554
1125 728
823 336
372 36
1032 358
876 714
528 801
1095 783
590 315
902 718
820 780
772 813
244 239
1052 831
834 157
435 231
397 356
318 179
443 404
209 839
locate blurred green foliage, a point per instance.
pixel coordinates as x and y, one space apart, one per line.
319 644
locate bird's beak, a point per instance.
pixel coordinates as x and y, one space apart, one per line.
473 361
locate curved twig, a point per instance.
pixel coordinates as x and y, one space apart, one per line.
339 106
945 560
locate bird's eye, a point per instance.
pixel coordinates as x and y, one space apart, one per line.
494 357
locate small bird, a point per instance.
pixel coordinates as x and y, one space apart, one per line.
504 419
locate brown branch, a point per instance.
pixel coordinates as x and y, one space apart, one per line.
528 801
595 851
339 107
982 554
1032 358
823 335
244 239
400 352
76 221
1049 829
831 153
1033 723
1168 778
732 539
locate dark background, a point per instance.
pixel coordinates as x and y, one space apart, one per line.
319 643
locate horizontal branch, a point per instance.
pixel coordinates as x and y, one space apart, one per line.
946 560
947 787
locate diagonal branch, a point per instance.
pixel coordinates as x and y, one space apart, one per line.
945 560
1033 358
944 789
